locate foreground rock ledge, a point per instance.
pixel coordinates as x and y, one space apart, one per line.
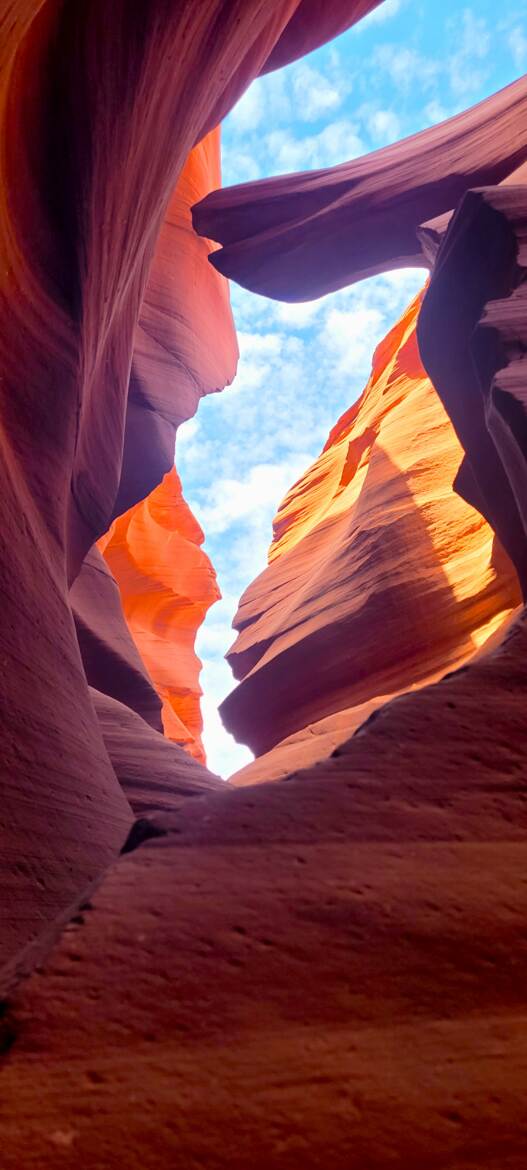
327 971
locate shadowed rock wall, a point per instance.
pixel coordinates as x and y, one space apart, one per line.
100 106
380 576
329 970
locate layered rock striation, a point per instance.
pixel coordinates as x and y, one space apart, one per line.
166 584
100 107
329 967
327 970
380 576
299 236
480 375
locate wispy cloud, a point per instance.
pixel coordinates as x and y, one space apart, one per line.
467 66
332 145
404 67
407 68
250 497
301 366
314 95
384 126
380 15
517 42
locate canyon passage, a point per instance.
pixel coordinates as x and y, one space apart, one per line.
318 960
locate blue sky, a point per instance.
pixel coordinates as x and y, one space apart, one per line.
411 63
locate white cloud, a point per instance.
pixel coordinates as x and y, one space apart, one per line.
381 14
435 112
224 755
406 67
248 113
254 495
257 351
259 346
268 100
264 134
384 126
351 336
517 42
299 92
299 316
473 41
314 95
241 167
187 432
336 143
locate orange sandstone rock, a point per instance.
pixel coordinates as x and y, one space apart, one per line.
298 236
185 342
387 882
100 106
327 972
156 774
380 576
167 584
475 352
110 657
185 346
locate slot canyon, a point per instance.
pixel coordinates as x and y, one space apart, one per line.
319 961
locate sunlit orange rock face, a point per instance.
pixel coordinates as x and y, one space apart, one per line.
476 356
186 301
167 584
380 576
328 971
165 580
325 971
100 106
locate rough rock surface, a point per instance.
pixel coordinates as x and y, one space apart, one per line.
327 971
355 1000
110 656
186 301
298 236
476 354
167 584
100 106
156 775
380 577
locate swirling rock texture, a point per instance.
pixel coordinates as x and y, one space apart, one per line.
330 969
482 380
185 302
167 584
165 581
100 106
372 538
298 236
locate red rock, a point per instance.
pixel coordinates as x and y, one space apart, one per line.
156 775
110 656
306 747
185 343
328 970
380 577
296 237
475 353
313 23
167 584
325 971
100 107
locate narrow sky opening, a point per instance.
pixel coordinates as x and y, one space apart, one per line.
405 67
